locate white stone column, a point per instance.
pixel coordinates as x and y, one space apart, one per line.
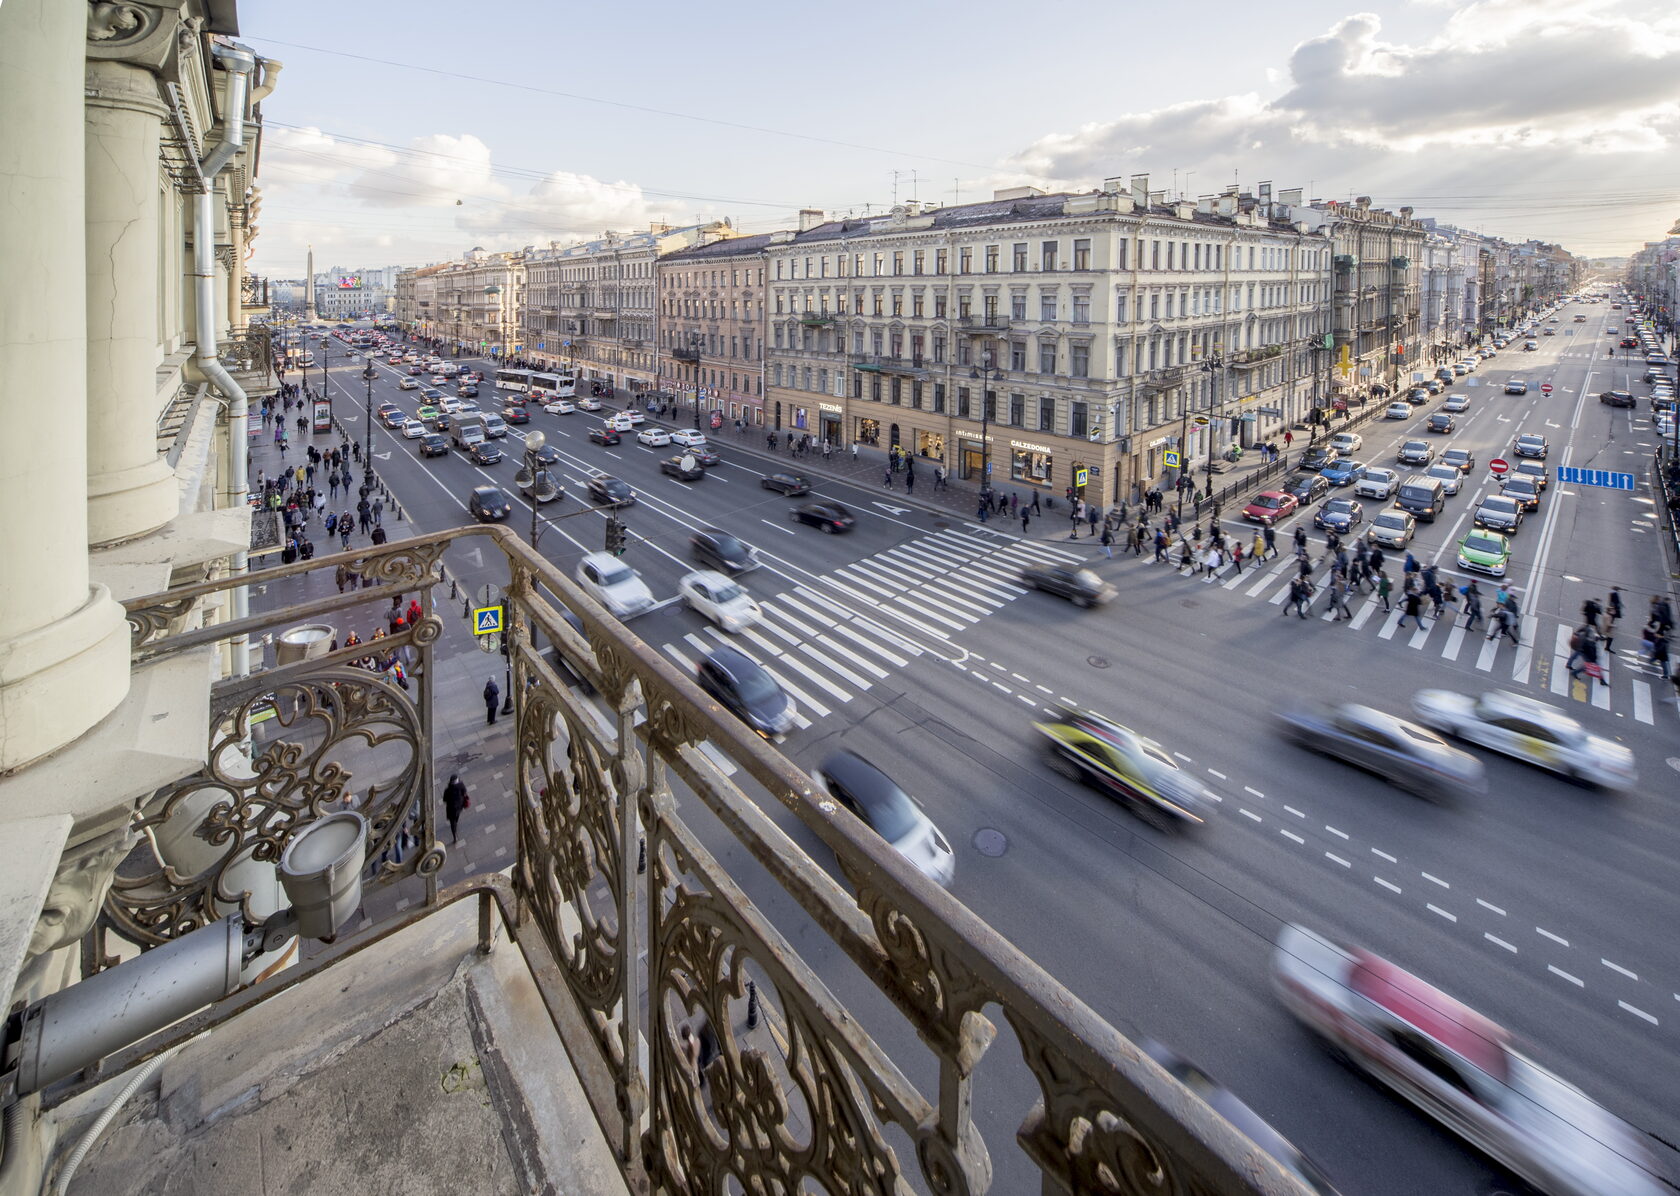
63 644
131 490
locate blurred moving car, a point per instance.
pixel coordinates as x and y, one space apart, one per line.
413 429
1079 586
1460 458
1344 472
1347 442
1222 1101
721 550
433 445
1498 513
604 436
1528 730
1460 1068
684 468
787 483
1415 452
829 517
1616 398
1398 411
1378 482
718 598
1450 476
1308 489
1392 528
1456 403
742 687
1516 386
1399 751
487 504
613 584
888 811
610 491
484 453
1531 444
1099 752
1440 422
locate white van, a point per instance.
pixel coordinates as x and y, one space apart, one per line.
495 427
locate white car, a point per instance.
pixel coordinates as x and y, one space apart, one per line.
621 422
413 429
408 384
1529 730
1450 476
559 407
720 599
614 584
1378 482
448 405
588 403
1347 442
1456 403
653 437
1460 1068
689 437
1398 411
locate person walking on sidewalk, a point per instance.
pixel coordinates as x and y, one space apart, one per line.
886 479
1108 543
455 799
492 701
939 477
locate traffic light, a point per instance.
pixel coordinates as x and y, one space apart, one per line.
615 535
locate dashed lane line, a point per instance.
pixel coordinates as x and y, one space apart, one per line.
1575 980
1435 909
1616 967
1499 942
1544 933
1330 855
1638 1012
1491 906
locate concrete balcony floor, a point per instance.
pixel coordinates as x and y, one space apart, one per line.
420 1065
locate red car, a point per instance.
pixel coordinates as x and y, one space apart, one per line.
1629 342
414 371
1269 506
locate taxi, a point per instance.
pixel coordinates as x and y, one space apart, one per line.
1529 730
1096 751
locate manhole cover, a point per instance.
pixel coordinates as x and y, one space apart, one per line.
1097 662
1189 602
990 842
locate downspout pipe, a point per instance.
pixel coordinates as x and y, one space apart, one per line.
239 63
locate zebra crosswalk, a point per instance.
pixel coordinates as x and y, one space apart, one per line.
821 653
1544 643
947 581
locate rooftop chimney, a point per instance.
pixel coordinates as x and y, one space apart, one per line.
1140 190
809 218
1228 204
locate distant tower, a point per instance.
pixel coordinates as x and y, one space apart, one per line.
309 288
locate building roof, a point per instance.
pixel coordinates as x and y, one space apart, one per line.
728 247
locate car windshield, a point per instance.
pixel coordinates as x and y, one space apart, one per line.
1483 544
1339 506
615 575
1529 441
1390 519
1269 501
1498 503
755 687
727 593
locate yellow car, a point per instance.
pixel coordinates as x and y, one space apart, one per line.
1087 747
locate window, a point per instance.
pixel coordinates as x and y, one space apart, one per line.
1047 357
1046 413
939 304
897 304
965 261
938 398
1155 307
897 391
1018 307
898 344
916 303
991 259
875 387
939 348
1081 367
921 261
898 261
1046 307
963 403
1078 420
1171 263
939 260
1124 246
875 343
916 347
878 298
1120 308
1018 410
1082 254
1017 355
1018 258
1047 255
1081 309
1154 255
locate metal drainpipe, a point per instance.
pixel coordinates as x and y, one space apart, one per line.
239 63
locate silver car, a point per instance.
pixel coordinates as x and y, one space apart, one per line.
1399 751
1528 730
1450 476
1460 1068
890 812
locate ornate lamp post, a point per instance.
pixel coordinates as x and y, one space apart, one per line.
985 372
368 373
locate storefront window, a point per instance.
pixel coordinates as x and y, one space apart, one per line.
930 444
869 431
1033 468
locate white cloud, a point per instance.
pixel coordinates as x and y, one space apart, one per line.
1584 94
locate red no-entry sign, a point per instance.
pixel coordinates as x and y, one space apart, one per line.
1499 466
1545 388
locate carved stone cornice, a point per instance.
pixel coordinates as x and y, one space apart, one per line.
146 35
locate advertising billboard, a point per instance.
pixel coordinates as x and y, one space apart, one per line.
349 282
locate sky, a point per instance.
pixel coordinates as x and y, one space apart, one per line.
410 134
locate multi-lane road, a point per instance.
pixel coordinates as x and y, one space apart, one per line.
1546 906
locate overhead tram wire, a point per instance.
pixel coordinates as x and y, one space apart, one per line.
628 107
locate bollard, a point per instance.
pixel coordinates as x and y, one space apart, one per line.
398 508
453 593
466 608
641 857
752 1006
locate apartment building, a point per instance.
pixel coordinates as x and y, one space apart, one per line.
712 325
595 308
1084 341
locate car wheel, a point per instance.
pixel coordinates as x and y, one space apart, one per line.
828 528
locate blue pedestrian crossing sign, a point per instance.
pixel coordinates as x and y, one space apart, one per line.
487 620
1170 459
1595 477
1082 476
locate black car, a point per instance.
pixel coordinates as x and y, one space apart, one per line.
1616 398
786 483
1531 445
1316 459
430 393
684 468
1461 459
1534 471
746 691
515 415
1340 515
548 456
1441 421
718 549
484 453
1079 586
467 390
488 504
1418 396
1523 490
829 516
433 445
604 436
610 491
1308 488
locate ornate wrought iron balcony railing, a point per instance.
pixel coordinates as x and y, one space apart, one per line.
986 322
685 353
622 954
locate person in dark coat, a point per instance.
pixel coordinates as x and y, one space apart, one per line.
454 801
492 700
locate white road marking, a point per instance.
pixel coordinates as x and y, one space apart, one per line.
1489 905
1435 880
1345 864
1251 814
1548 934
1292 836
1576 980
1214 772
1500 942
1384 855
1616 967
1253 790
1642 702
1637 1012
1334 831
1387 884
1435 909
1294 811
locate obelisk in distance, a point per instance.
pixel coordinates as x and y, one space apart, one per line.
309 288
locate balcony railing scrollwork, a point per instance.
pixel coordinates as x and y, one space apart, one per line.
610 776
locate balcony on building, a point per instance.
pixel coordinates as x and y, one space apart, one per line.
817 319
984 324
523 1029
877 363
688 353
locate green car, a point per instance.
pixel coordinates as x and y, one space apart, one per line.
1484 552
426 414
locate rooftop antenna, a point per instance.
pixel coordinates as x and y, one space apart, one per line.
915 182
895 188
1186 193
956 191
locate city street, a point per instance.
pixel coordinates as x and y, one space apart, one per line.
1544 905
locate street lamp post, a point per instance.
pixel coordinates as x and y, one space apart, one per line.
1213 365
368 373
695 340
535 442
986 371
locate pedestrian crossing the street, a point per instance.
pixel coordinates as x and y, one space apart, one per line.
822 654
1633 688
948 581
